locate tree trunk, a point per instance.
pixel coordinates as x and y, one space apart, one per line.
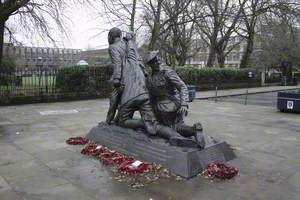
221 59
181 61
211 56
156 28
181 57
132 18
246 58
1 41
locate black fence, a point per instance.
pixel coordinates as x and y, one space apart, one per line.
54 83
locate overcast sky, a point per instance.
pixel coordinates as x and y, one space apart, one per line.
86 31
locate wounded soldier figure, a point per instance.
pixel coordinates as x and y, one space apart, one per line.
169 97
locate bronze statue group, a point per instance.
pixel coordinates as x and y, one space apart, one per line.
160 96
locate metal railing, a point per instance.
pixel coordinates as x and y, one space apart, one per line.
45 81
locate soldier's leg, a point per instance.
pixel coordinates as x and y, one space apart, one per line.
153 127
148 117
125 116
167 118
113 106
189 131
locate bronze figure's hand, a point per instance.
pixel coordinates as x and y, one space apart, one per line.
129 36
116 83
183 111
108 121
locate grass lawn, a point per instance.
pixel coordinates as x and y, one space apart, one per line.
31 85
38 81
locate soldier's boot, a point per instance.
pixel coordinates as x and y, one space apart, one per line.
192 131
175 139
110 117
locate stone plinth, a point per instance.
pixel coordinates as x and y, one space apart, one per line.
185 162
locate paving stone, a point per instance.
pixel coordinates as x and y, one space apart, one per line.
3 185
9 195
37 184
44 145
17 171
64 192
47 156
11 154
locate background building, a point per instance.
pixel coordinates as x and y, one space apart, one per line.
237 47
96 57
41 57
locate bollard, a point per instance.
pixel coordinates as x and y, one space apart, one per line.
246 98
216 95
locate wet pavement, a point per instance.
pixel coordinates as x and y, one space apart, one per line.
262 99
265 99
36 164
211 94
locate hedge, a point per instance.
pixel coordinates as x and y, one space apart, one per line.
196 76
83 79
93 79
10 79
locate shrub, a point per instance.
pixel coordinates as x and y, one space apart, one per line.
8 65
73 79
95 79
82 79
7 72
273 78
195 76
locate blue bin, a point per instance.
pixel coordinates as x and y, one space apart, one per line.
192 92
288 101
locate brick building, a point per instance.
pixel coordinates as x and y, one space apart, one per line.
42 56
96 57
233 58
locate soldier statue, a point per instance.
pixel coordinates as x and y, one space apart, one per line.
169 97
130 93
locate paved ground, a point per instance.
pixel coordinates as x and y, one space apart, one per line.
36 164
260 99
233 92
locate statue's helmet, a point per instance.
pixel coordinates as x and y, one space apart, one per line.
151 56
115 32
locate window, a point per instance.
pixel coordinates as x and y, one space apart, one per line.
236 56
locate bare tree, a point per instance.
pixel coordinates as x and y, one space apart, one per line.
118 12
251 13
163 19
153 19
280 38
31 16
217 22
178 41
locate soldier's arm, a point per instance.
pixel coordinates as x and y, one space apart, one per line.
116 60
176 81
